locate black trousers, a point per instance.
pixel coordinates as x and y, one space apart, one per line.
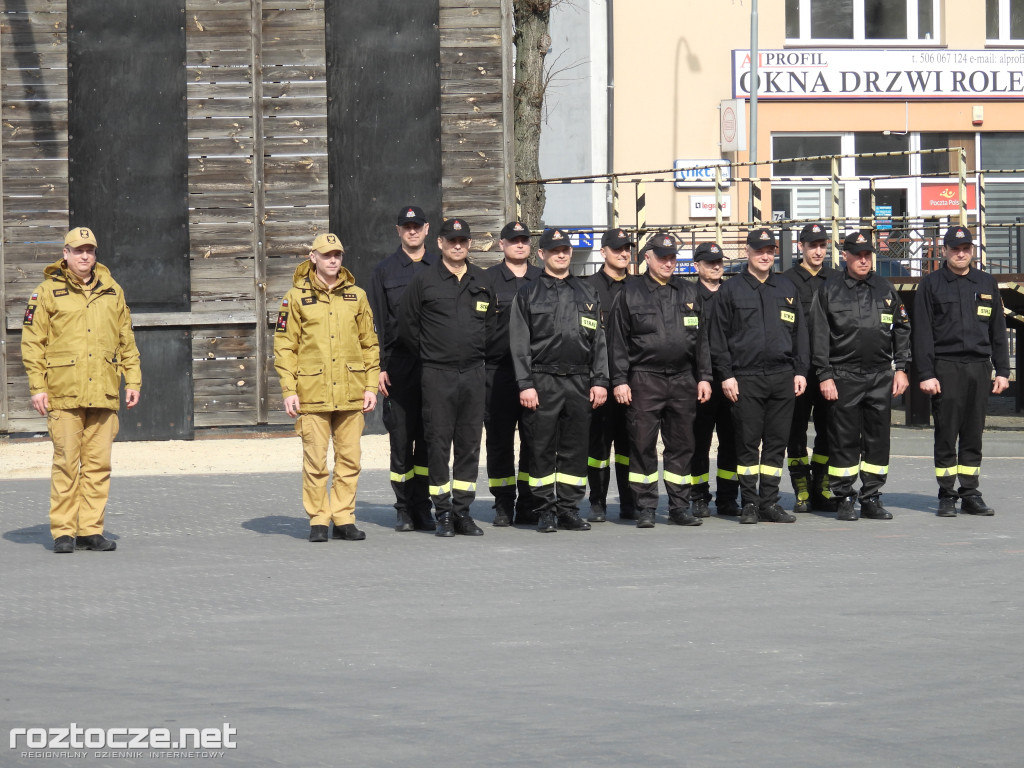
714 415
811 404
959 414
665 403
502 416
556 434
762 416
859 433
453 415
403 419
608 426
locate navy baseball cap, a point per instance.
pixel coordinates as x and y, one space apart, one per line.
812 233
858 242
957 236
411 215
663 244
616 238
554 238
453 229
708 252
514 229
761 238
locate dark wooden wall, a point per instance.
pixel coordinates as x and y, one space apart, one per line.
257 177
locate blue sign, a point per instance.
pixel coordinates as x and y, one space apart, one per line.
581 238
883 214
685 266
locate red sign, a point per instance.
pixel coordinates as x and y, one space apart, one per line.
944 197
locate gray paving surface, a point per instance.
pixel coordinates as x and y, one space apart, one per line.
815 644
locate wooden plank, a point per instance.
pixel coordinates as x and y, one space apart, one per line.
295 125
298 89
285 72
224 418
26 151
225 147
205 127
216 5
286 22
232 90
469 18
223 369
215 58
470 38
297 107
315 214
298 5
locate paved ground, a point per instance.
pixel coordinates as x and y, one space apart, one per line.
815 644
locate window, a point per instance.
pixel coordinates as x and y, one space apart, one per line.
784 147
1004 20
947 163
863 21
1002 151
895 165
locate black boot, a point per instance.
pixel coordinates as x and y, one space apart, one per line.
404 523
802 489
685 517
847 512
317 533
503 511
546 523
947 507
571 521
598 512
727 508
466 526
775 514
347 532
64 545
749 514
975 505
422 520
445 525
872 509
700 509
645 518
821 498
97 543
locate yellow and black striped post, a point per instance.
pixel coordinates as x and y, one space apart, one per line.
963 187
615 202
519 203
982 221
641 215
874 222
755 191
718 204
835 211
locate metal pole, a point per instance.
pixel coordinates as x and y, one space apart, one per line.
963 187
982 221
874 222
753 105
835 211
718 205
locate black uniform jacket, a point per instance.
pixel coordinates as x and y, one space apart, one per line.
858 326
657 328
961 319
556 328
757 328
444 320
504 286
387 285
607 289
807 284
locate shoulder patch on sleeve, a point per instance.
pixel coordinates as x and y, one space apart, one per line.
282 322
30 314
60 292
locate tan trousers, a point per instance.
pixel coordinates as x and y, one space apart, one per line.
80 477
316 430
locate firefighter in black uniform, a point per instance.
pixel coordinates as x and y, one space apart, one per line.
659 368
759 350
714 415
608 423
959 333
503 413
810 477
561 361
859 331
400 372
444 319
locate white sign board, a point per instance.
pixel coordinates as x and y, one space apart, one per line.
881 74
703 206
732 115
700 173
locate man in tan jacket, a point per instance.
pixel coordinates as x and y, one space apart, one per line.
326 355
76 343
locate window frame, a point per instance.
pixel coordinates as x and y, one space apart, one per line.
859 40
1004 25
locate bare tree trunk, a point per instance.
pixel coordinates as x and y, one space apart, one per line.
532 41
